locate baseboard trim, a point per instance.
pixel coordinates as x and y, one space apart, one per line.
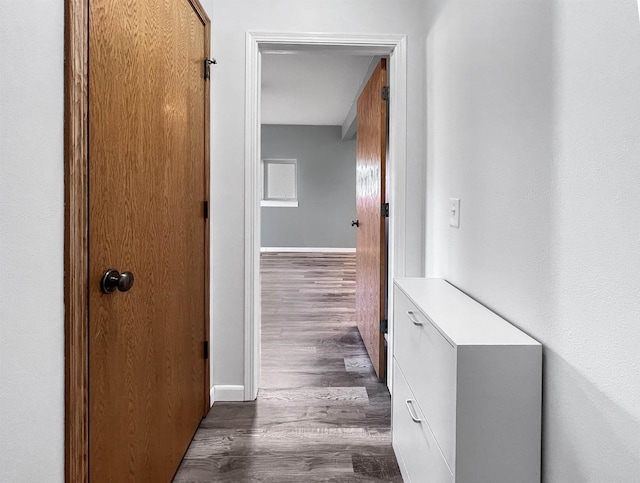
212 396
307 250
228 393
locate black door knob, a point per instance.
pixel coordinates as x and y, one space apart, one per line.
112 280
355 223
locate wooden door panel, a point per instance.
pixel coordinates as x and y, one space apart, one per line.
147 175
371 262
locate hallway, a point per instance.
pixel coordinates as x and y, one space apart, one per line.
321 413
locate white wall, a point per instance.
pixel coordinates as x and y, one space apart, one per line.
31 242
231 20
534 122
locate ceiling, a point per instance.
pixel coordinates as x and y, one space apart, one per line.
310 88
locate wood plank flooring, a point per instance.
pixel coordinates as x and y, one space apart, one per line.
321 413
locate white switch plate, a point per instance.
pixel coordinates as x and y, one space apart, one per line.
454 212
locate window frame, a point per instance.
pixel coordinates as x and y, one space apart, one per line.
278 202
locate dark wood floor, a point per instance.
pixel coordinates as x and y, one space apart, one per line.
321 413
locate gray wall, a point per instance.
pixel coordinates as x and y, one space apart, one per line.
326 188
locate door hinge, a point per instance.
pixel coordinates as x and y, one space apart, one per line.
207 66
384 211
205 209
385 93
384 326
205 347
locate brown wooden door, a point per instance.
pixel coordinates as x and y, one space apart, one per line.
371 251
148 175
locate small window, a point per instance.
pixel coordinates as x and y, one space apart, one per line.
280 180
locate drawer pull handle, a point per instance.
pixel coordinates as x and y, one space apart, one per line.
415 418
412 318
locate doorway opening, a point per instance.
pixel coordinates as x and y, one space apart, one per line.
392 47
310 344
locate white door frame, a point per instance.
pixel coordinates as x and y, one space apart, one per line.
395 46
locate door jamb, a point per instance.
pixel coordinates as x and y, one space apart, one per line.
383 44
76 234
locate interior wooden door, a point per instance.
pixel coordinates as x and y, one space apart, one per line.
371 251
148 180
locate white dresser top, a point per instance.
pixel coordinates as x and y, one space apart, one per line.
462 320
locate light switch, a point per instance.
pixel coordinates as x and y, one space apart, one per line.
454 212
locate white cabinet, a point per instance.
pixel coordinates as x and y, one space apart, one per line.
466 389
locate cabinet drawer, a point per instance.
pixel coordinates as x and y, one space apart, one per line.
406 345
429 364
418 453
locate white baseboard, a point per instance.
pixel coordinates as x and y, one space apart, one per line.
228 393
307 249
212 396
